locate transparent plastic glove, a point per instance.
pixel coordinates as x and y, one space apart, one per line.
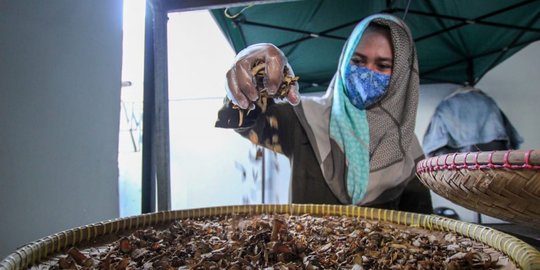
241 83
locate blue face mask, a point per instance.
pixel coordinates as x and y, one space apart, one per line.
364 86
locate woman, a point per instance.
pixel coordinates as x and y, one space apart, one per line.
354 145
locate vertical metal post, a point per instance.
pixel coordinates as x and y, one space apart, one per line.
148 192
160 136
156 156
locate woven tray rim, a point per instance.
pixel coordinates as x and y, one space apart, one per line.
508 159
524 255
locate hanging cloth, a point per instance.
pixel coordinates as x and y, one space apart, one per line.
469 120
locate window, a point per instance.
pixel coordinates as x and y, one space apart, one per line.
209 166
130 134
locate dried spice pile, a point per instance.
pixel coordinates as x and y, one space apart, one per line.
286 242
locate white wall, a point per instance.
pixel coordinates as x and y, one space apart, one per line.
60 67
515 86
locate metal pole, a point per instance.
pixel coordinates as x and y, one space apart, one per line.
148 193
156 156
160 136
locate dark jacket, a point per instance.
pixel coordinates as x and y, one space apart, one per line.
279 129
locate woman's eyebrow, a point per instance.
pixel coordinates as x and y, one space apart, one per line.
378 58
385 59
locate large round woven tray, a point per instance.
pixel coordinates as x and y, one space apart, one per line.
524 255
502 184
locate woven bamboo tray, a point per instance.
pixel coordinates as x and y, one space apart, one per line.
502 184
524 255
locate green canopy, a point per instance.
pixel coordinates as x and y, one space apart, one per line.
458 41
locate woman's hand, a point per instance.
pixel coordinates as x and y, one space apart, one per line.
241 84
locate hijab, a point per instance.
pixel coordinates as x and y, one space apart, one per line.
365 152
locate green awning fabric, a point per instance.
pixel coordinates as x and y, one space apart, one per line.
458 41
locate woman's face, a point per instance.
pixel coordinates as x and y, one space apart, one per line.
374 52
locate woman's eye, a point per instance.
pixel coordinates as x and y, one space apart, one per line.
384 66
357 61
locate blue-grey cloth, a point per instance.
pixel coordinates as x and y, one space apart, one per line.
469 117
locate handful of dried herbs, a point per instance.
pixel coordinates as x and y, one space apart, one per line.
286 242
258 72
